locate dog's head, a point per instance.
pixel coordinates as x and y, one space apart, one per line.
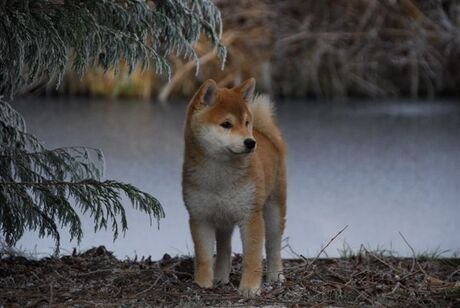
221 120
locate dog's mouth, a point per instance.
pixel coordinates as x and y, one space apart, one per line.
247 151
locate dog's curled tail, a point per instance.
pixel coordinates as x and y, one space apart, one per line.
262 109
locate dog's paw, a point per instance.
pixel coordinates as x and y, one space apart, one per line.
221 276
204 283
221 280
275 277
249 291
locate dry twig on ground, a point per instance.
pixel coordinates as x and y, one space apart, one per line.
97 277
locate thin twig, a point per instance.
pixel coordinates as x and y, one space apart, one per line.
327 245
380 259
414 257
412 249
149 288
50 302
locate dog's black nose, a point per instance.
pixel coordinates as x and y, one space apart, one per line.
250 143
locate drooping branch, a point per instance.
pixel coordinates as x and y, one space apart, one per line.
44 190
41 38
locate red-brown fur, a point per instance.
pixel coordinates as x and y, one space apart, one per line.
265 169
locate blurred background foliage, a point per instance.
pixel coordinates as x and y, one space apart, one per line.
298 48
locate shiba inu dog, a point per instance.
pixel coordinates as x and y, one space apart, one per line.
234 174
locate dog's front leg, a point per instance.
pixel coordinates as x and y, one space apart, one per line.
252 233
204 237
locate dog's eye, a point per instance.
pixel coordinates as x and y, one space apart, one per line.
247 123
226 125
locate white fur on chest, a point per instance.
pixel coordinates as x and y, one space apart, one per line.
220 194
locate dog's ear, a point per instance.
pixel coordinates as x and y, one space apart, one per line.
247 89
206 94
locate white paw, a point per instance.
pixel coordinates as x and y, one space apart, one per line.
249 292
221 280
275 277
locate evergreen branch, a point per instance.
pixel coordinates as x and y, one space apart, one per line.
13 138
76 163
19 212
42 189
42 37
101 200
37 185
11 117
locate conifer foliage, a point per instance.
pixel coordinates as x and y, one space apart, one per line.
43 189
41 38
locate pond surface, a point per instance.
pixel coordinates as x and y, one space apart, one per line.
380 167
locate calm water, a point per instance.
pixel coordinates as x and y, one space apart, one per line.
378 167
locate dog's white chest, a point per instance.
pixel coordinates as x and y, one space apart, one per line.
219 194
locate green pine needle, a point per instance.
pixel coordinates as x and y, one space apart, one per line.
43 189
41 39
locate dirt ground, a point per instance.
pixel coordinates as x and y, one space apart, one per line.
97 278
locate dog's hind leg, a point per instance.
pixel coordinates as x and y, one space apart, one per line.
274 216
